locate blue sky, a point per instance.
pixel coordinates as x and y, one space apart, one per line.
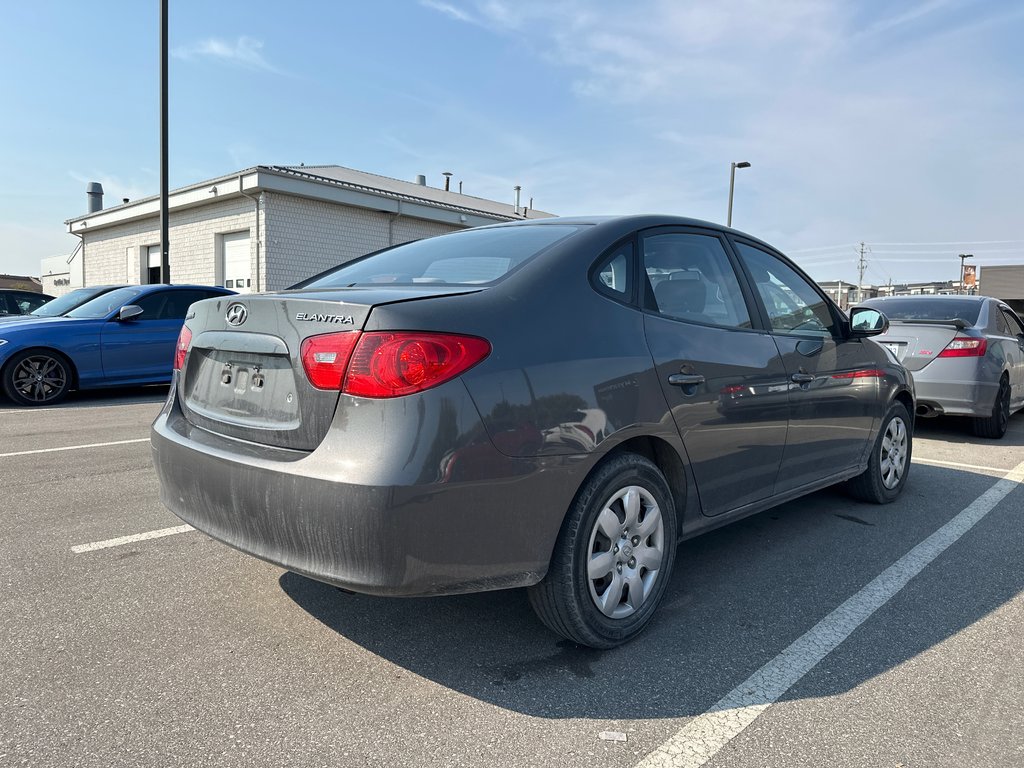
898 124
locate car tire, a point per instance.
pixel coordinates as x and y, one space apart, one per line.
599 567
994 427
37 377
889 463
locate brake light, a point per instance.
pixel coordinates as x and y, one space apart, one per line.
326 357
391 364
181 348
963 346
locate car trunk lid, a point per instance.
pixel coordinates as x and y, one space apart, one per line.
243 375
917 343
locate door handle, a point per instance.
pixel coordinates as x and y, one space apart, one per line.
685 379
802 378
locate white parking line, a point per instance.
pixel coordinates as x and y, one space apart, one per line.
92 547
72 406
958 465
702 738
73 447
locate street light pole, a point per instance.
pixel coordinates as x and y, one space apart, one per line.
732 187
165 263
963 257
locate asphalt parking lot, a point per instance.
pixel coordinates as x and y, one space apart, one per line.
824 632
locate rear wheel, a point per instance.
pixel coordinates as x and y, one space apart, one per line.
889 463
994 426
613 557
37 377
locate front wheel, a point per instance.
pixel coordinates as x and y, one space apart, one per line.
613 557
37 378
889 463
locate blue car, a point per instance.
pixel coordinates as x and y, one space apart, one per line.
123 337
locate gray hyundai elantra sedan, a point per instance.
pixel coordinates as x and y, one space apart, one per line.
547 404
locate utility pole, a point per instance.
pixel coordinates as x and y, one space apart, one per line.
962 257
861 266
165 263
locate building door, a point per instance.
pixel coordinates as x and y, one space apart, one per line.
150 273
237 266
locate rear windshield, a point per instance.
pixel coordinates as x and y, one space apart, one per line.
472 257
103 305
929 309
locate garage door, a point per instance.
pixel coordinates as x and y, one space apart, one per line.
237 268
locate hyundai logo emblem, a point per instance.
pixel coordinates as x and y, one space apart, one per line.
236 314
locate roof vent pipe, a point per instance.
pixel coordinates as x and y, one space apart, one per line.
421 180
518 189
94 196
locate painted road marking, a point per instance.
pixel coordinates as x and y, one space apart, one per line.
79 549
958 465
701 739
73 447
73 406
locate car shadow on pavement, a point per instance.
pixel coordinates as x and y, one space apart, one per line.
739 596
95 398
957 429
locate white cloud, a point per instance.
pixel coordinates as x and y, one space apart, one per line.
860 123
246 52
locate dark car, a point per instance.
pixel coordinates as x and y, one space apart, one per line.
966 354
121 338
63 304
550 404
15 302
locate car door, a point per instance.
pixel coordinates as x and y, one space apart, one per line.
142 349
1014 355
722 377
833 380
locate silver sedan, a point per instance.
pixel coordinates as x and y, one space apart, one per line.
966 354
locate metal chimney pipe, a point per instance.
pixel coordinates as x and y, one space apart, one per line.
518 189
421 180
447 180
94 196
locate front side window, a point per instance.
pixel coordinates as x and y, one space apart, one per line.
472 257
690 278
792 303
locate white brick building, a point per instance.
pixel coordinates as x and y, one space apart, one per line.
268 227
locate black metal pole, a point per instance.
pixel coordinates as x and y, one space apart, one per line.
165 264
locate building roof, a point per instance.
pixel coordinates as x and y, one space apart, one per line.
333 183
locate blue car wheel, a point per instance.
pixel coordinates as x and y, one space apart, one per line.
37 378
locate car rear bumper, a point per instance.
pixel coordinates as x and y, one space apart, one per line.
334 514
945 391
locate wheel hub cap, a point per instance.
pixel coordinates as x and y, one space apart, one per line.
626 552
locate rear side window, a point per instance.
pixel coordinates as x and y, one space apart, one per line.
1016 329
614 275
472 257
691 278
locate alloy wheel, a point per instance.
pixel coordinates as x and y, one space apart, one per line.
40 378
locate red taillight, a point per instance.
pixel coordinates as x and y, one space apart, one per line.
325 358
963 346
402 362
181 348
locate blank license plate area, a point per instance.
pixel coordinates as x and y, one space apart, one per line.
897 349
243 388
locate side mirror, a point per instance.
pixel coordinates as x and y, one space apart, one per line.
129 312
865 321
